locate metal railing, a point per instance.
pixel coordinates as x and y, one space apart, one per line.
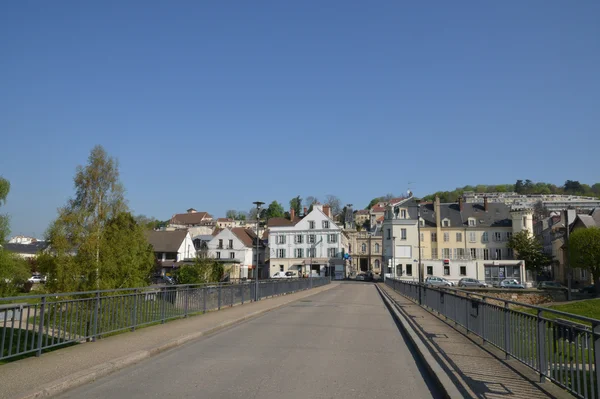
559 346
32 324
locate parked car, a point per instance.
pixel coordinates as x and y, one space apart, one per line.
590 289
439 281
550 284
511 283
287 274
37 279
360 277
471 282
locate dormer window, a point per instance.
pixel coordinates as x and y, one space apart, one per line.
422 222
403 213
325 224
311 224
472 222
446 223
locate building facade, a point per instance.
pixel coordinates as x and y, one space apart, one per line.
236 249
365 250
455 239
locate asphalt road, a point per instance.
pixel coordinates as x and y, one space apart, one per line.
341 343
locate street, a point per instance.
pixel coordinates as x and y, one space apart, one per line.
341 343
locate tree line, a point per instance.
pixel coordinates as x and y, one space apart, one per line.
570 187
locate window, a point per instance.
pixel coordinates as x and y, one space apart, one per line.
422 237
433 237
389 234
332 238
220 244
460 253
484 237
363 247
446 270
446 237
498 254
325 224
281 239
230 244
509 253
218 255
311 224
232 255
434 253
486 254
473 253
429 270
331 252
446 223
376 248
422 222
472 236
403 234
299 253
508 235
398 270
463 270
403 213
409 270
403 251
458 237
312 252
311 238
298 239
377 264
497 236
472 222
280 268
446 253
281 253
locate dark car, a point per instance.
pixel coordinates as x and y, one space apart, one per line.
471 282
590 289
550 285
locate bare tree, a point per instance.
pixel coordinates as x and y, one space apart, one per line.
334 204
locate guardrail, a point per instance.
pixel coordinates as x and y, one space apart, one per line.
560 346
41 322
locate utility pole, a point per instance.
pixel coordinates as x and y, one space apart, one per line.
258 205
568 265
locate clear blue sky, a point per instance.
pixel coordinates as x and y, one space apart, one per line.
214 105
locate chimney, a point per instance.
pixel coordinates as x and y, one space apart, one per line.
305 211
292 214
437 210
460 203
326 210
485 203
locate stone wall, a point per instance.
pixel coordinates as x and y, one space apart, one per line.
528 296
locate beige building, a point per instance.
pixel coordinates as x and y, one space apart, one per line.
365 250
456 239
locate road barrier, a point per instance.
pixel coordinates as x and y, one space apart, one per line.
41 322
559 346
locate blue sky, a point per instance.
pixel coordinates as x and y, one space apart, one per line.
214 105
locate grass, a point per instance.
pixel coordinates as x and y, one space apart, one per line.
24 342
587 308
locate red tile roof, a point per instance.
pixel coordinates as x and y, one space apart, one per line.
189 218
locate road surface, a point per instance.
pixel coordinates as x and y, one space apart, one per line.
341 343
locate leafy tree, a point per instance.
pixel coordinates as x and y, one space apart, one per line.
373 202
573 187
203 270
334 204
596 189
231 214
519 187
584 247
530 250
83 235
275 210
241 215
296 204
14 271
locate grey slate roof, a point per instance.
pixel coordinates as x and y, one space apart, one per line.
498 214
166 241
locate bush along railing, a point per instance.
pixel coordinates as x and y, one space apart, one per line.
33 324
563 347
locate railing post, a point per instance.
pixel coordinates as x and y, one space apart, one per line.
467 303
203 299
596 332
134 315
163 305
186 305
219 301
242 289
506 331
541 345
96 316
482 322
41 327
231 290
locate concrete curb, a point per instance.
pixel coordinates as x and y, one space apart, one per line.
437 373
91 374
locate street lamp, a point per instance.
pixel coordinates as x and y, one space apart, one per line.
258 205
419 238
312 249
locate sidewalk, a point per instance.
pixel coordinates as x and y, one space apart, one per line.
476 372
66 368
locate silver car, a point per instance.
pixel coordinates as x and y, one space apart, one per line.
440 281
471 282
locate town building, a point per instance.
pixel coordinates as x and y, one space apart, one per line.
171 248
456 240
236 249
366 251
312 243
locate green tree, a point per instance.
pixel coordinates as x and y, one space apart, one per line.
275 210
231 214
373 202
4 219
530 250
241 215
584 248
296 205
573 187
85 231
203 270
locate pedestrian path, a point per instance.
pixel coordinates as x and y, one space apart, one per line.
65 368
478 372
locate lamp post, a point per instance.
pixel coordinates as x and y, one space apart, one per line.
312 248
258 205
419 258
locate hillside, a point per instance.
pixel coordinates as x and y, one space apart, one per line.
571 187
